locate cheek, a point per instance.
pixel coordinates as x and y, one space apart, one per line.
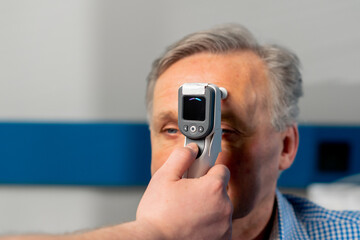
253 169
253 160
260 164
234 156
262 157
161 148
270 154
158 158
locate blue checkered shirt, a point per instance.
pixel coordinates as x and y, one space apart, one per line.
299 218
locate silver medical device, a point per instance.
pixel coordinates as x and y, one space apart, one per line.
199 119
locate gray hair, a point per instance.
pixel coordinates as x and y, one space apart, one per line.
283 67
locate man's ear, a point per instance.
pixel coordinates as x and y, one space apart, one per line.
290 140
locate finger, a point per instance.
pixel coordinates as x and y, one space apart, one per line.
179 161
220 171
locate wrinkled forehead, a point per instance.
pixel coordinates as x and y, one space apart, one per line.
243 74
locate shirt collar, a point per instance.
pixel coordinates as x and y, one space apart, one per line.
288 225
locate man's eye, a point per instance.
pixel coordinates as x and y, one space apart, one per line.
227 131
171 130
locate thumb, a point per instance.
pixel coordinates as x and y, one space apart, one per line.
179 161
219 171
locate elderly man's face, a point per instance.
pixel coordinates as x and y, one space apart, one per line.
251 148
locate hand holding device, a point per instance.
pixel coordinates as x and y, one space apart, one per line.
199 119
159 211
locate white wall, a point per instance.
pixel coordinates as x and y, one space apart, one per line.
60 209
83 60
48 64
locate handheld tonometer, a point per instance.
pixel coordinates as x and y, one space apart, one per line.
199 119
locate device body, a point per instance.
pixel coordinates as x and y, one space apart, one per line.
199 119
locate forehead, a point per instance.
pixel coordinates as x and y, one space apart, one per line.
243 74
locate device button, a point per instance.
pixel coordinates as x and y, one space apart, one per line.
193 129
186 128
201 129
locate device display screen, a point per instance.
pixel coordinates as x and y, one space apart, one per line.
194 108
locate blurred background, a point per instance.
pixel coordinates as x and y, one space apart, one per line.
74 144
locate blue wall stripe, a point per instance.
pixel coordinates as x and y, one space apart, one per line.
118 154
304 170
74 153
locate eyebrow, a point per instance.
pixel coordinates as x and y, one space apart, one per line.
170 115
164 116
230 117
227 116
236 121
